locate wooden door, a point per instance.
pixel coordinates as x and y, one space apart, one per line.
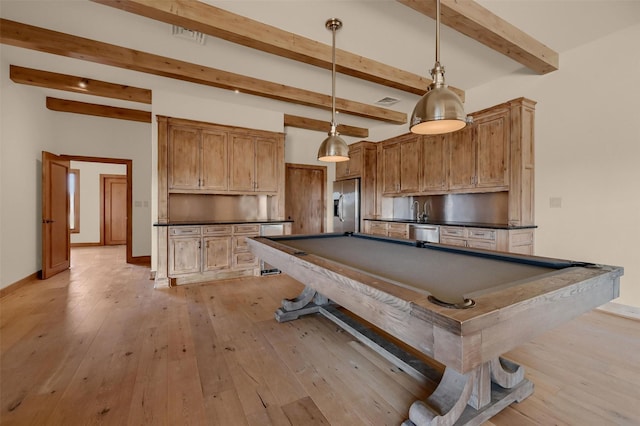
215 164
492 138
266 165
115 209
305 195
241 163
56 243
184 158
434 163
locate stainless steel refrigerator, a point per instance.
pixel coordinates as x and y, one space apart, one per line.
346 205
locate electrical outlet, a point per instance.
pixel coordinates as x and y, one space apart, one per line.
555 202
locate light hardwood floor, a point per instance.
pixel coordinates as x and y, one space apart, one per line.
98 345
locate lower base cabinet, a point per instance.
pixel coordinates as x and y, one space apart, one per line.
210 252
387 229
508 240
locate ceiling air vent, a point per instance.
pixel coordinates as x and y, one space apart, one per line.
188 34
387 101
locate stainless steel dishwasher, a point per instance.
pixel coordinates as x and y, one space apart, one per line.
266 230
424 232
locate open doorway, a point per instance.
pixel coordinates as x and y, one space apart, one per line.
112 190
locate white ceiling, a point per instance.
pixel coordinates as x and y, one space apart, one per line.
383 30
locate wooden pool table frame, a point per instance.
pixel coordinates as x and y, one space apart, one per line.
477 383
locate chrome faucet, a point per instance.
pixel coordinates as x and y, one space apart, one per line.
425 212
416 207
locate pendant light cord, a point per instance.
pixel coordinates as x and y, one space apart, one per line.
333 78
437 31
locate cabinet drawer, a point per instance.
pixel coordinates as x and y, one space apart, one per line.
398 227
482 234
453 241
482 244
217 230
244 260
246 229
240 243
378 228
184 230
448 231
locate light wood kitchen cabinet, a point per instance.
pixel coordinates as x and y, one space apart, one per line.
387 229
401 163
435 164
462 159
197 159
353 167
253 164
216 253
185 244
507 240
212 159
492 149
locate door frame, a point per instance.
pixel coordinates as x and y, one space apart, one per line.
129 175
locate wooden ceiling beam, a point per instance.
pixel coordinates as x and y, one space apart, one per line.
72 83
64 105
216 22
473 20
324 126
57 43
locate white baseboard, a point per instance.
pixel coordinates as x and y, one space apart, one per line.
622 310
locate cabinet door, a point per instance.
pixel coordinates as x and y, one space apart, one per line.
184 158
391 168
184 255
410 160
214 172
492 141
353 167
266 174
241 163
434 163
462 159
216 253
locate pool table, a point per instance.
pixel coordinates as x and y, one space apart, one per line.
461 307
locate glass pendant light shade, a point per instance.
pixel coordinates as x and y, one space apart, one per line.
333 149
440 110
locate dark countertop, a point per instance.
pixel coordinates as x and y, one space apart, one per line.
219 222
465 224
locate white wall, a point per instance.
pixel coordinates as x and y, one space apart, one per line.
25 132
90 213
587 153
90 136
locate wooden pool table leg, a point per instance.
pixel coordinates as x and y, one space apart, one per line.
472 398
308 302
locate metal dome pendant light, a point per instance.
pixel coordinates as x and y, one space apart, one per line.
440 110
333 149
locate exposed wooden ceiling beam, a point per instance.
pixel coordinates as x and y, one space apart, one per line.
43 40
64 105
229 26
324 126
72 83
473 20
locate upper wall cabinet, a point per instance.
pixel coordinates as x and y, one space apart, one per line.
197 159
213 159
353 167
401 161
253 163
